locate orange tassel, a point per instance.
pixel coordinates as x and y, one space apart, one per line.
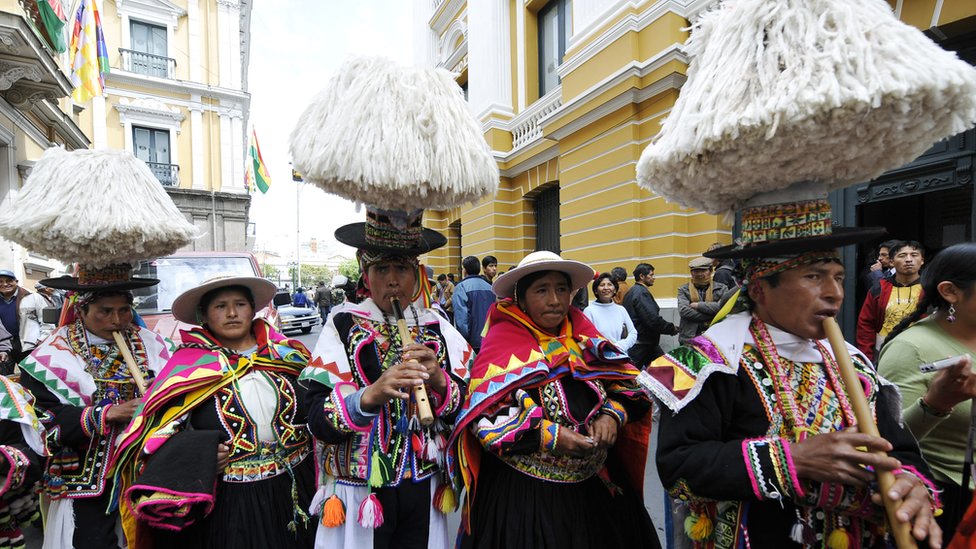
334 512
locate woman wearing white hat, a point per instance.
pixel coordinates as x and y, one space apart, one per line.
548 402
234 379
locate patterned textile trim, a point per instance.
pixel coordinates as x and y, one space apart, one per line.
770 468
18 468
498 435
787 221
550 436
756 268
557 468
94 422
156 509
676 378
450 401
266 465
17 405
336 413
615 410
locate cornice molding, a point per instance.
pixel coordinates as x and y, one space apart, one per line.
154 10
674 52
444 14
127 79
689 9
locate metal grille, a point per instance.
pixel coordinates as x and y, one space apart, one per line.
547 220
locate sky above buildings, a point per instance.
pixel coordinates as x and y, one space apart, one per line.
296 45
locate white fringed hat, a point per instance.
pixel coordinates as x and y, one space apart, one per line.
103 209
784 91
394 137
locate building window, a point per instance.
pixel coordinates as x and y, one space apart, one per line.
554 28
151 145
546 207
148 53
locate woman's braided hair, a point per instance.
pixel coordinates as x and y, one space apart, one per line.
956 264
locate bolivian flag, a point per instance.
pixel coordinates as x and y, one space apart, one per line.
261 178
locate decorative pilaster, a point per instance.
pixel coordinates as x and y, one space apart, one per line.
489 49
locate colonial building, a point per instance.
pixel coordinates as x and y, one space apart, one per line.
35 113
176 96
570 92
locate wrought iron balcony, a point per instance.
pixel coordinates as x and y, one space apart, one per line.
148 64
167 174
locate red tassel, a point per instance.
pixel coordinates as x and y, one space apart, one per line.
417 444
371 512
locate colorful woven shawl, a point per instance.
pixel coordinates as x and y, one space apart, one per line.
197 370
517 355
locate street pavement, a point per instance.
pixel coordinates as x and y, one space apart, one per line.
308 339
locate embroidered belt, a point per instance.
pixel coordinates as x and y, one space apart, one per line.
546 466
266 464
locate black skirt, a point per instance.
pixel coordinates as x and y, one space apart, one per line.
514 510
252 515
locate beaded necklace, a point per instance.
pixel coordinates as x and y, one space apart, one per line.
786 400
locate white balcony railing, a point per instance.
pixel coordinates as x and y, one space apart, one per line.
526 127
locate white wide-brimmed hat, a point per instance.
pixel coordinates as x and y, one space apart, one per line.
186 304
580 274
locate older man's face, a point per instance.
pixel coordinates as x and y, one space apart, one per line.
8 286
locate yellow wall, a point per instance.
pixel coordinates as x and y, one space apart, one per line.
606 219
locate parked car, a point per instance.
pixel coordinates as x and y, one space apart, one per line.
292 318
180 272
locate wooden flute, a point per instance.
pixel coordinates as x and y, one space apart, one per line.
419 391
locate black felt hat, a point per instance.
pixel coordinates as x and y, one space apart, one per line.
391 232
774 225
113 277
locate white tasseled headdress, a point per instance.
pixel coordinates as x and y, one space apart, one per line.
398 138
97 208
780 91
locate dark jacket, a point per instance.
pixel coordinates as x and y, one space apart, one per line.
646 314
471 300
725 274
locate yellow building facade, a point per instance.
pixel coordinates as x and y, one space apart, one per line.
569 93
176 98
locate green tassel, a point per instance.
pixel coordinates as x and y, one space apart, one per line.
376 476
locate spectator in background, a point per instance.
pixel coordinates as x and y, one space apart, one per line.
323 298
891 300
724 270
490 266
646 314
699 300
445 295
33 329
471 300
299 299
620 276
10 297
450 276
609 318
880 268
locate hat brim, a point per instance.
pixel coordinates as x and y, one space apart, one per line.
580 274
841 236
185 305
354 234
71 283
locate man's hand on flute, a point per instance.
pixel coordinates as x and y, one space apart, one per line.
915 508
394 383
426 357
840 457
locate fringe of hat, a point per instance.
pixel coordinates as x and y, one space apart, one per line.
399 138
780 91
96 208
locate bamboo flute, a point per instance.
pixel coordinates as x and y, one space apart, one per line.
419 391
901 531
